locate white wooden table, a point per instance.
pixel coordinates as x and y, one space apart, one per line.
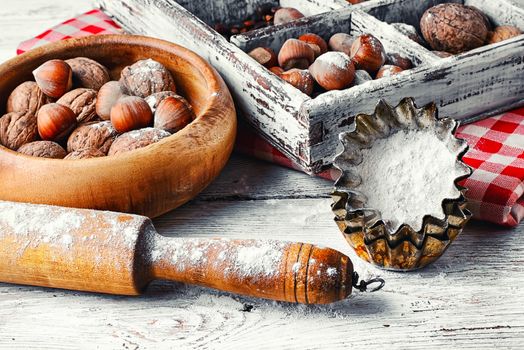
473 297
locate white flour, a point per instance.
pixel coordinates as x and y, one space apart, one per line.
406 177
67 230
338 59
253 259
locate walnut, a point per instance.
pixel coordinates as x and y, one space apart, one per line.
88 73
85 153
146 77
454 28
154 100
82 102
137 139
43 149
98 135
502 33
27 96
18 128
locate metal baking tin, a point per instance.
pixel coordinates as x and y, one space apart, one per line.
363 228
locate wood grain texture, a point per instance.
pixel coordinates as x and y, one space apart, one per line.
307 129
313 7
471 298
150 180
116 253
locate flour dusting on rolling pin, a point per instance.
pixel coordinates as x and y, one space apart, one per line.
117 253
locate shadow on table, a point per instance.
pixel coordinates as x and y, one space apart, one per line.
357 304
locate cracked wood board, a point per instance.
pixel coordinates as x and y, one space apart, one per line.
476 84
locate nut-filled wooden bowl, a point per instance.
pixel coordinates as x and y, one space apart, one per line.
148 181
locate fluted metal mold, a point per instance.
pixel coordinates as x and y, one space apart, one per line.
363 227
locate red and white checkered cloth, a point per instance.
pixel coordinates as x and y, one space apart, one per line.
496 144
89 23
496 153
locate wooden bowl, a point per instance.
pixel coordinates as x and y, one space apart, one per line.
148 181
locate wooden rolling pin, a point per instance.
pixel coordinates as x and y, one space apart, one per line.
116 253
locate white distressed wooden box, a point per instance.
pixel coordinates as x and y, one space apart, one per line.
472 85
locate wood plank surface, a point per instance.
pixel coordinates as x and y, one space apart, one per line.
471 298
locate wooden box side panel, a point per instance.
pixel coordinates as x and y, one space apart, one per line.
223 11
481 82
233 11
500 12
275 36
266 101
519 3
313 7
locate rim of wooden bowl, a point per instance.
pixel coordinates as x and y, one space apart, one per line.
148 181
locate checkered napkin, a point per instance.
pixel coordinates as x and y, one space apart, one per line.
89 23
496 144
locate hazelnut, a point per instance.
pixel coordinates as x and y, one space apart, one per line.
314 40
26 97
368 53
106 98
97 135
361 76
129 113
333 70
276 70
454 27
85 154
18 128
55 122
397 60
265 56
301 79
146 77
54 78
341 42
82 102
295 54
88 73
154 100
173 114
316 50
137 139
43 149
286 14
502 33
442 54
387 71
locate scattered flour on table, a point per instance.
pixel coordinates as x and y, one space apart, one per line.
406 177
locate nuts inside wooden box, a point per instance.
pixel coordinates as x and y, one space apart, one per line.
353 23
474 84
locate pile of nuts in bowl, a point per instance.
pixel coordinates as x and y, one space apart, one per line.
313 65
74 111
452 28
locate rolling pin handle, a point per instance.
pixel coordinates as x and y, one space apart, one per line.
291 272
